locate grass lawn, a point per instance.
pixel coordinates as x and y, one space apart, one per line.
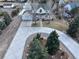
59 25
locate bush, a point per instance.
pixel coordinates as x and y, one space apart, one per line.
74 11
2 25
1 13
73 27
7 18
38 36
15 12
52 43
37 51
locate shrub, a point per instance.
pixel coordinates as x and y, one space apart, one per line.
1 13
7 18
74 11
38 36
74 25
37 51
2 25
15 12
52 43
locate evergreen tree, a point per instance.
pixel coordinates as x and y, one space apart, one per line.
38 36
74 25
7 18
52 43
74 11
2 25
37 51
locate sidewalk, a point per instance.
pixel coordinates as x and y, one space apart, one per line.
26 24
7 36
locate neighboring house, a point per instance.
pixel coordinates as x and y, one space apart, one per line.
63 2
42 11
36 11
68 7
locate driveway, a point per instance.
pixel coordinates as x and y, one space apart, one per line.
7 36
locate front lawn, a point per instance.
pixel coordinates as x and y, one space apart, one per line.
59 25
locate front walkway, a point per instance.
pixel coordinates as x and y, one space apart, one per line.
15 51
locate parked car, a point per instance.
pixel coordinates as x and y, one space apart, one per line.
9 6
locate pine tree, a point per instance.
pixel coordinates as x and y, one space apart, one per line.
37 51
38 36
2 25
74 11
52 43
7 18
74 25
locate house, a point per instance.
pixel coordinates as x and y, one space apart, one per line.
36 11
42 12
63 2
68 8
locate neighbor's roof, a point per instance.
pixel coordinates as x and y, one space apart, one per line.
71 6
41 11
44 6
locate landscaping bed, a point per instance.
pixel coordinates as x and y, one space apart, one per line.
43 41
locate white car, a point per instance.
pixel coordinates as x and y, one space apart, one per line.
8 6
